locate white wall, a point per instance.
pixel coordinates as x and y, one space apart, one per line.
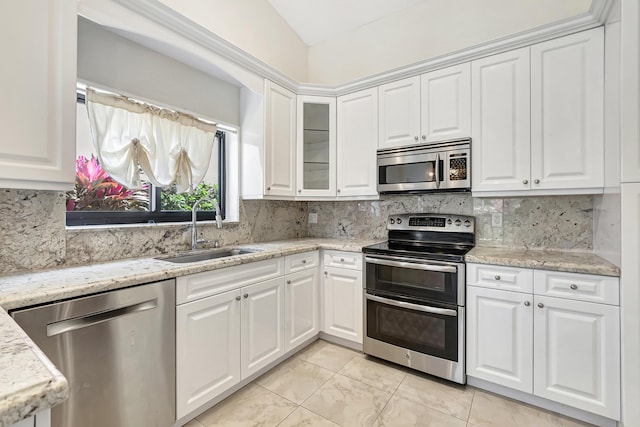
429 29
114 62
252 25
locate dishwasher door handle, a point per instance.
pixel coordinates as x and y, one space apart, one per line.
69 325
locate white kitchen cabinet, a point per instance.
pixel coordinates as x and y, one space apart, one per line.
537 118
399 114
38 85
500 136
445 104
342 297
564 347
567 117
301 307
262 326
208 349
499 337
577 354
316 146
357 142
435 106
280 141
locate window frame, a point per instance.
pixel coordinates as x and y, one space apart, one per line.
154 215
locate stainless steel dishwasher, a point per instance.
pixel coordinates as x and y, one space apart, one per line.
117 350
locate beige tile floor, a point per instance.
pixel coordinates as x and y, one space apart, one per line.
329 385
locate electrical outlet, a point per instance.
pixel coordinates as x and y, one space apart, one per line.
496 219
313 218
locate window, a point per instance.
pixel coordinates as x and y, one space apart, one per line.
97 199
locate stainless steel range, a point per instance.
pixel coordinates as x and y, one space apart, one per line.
414 293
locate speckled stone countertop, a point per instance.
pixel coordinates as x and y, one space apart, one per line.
569 261
29 382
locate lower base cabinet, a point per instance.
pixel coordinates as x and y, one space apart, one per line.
563 349
302 307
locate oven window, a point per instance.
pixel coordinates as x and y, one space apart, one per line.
402 281
408 173
428 333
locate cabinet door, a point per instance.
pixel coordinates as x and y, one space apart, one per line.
399 116
316 150
207 349
577 354
500 134
445 111
342 300
567 95
38 85
500 337
262 324
280 141
357 141
301 307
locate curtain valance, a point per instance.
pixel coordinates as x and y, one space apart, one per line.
168 146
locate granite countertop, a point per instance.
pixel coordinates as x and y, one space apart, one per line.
29 382
557 260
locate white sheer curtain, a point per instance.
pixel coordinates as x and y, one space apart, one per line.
169 146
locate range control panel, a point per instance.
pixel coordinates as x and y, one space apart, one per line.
432 222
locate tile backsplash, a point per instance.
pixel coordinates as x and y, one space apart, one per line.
560 222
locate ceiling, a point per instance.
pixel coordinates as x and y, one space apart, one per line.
319 20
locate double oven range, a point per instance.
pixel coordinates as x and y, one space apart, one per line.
414 311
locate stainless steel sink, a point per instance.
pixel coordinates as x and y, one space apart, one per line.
207 255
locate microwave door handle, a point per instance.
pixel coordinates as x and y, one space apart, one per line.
410 306
438 170
412 265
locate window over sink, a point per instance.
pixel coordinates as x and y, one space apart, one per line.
98 199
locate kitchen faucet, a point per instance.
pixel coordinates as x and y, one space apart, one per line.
194 221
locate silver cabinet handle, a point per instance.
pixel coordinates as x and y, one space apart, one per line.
411 306
541 305
238 298
525 181
99 317
304 261
497 277
527 303
288 282
338 190
536 181
415 138
246 296
424 137
341 259
573 286
325 273
299 191
268 188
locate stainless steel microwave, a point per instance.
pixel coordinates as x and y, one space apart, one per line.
443 166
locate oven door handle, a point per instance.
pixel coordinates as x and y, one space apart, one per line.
411 306
412 265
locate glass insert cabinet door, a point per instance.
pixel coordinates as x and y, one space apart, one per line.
316 150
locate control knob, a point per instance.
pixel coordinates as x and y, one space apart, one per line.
449 222
392 221
467 223
399 220
458 222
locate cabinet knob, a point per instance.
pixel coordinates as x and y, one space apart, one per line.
288 282
497 277
536 181
246 296
238 298
415 138
527 303
268 188
573 286
299 191
325 273
341 259
304 261
525 181
338 190
541 305
424 137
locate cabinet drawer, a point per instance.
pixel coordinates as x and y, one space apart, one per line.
350 260
200 285
576 286
300 262
498 277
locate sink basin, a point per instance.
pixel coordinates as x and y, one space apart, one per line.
204 256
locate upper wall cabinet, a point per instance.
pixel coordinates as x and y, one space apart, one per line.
38 83
316 149
433 107
357 141
280 141
538 118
